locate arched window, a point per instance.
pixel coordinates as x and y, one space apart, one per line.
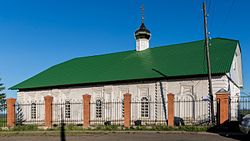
98 108
33 111
144 107
67 109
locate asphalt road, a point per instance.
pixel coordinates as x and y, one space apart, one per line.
130 137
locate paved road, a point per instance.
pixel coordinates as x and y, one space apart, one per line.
130 137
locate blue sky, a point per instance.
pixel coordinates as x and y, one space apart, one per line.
35 35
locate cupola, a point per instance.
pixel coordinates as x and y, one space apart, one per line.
142 35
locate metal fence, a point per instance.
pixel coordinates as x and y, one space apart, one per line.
144 112
193 112
147 112
106 113
3 115
239 107
30 113
67 112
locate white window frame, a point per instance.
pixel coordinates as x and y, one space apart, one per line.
67 109
144 107
98 107
33 109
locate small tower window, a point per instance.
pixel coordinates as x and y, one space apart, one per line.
67 109
98 109
33 111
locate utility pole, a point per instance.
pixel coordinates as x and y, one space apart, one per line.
208 64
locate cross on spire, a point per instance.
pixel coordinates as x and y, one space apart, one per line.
142 13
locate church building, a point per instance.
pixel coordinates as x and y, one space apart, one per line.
147 73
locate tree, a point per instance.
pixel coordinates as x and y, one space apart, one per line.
2 97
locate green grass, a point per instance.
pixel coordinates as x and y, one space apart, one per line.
2 121
31 127
244 112
114 128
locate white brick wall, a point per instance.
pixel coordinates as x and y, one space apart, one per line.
189 88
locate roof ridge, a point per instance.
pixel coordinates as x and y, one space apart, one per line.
226 39
170 45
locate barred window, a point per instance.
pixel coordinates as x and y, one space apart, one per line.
98 109
144 107
67 109
33 111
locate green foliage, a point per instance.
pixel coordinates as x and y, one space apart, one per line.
2 121
2 97
73 127
111 127
188 128
30 127
194 128
107 127
244 112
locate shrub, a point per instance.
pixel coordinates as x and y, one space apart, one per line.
30 127
194 128
73 127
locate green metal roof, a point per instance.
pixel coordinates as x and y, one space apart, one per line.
186 59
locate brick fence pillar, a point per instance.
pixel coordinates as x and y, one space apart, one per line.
48 111
222 99
127 110
11 111
86 110
170 109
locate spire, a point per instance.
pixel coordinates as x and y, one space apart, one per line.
142 32
142 13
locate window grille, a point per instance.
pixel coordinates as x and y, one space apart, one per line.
144 107
98 109
33 111
67 109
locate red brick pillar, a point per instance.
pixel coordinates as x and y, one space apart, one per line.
170 109
86 110
222 99
48 111
11 111
127 110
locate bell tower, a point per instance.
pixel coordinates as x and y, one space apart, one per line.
142 35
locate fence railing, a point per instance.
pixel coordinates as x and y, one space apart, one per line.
68 112
185 111
240 106
142 113
29 113
3 115
193 112
106 113
148 113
